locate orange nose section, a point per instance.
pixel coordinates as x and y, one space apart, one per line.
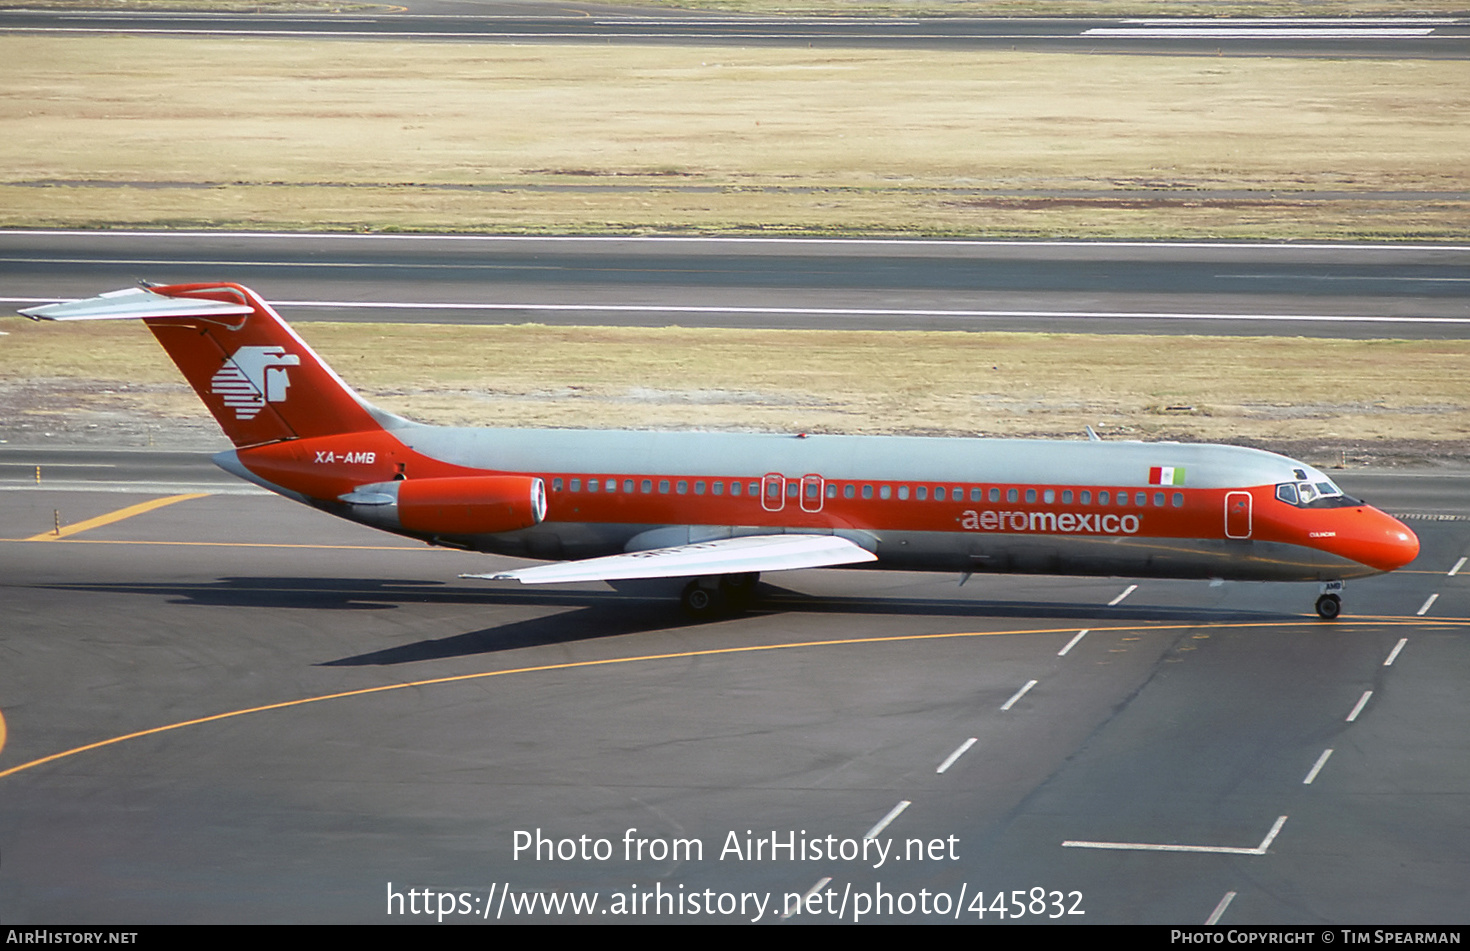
1383 542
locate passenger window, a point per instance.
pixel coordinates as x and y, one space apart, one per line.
849 490
1158 500
1030 495
1102 497
647 485
939 493
717 488
922 493
1013 495
1066 496
867 491
734 488
976 494
1049 496
663 486
576 485
903 492
995 495
1178 500
612 485
682 487
885 491
627 485
699 488
556 484
831 490
593 485
752 488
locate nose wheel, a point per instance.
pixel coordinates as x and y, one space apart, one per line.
1329 602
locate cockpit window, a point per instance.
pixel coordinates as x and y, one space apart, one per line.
1315 495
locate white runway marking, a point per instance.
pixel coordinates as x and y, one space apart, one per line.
1018 695
1151 847
827 311
1428 603
1220 909
1073 642
1317 767
823 311
1458 565
963 747
893 813
1257 33
1393 654
1358 707
1126 592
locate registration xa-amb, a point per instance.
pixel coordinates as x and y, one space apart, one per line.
718 509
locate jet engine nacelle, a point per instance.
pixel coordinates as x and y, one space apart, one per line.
471 505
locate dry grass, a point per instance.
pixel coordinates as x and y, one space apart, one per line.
272 133
1262 390
899 8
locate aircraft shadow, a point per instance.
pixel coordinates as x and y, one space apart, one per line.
602 614
613 615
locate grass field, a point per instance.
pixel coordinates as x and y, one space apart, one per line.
900 8
160 132
1361 396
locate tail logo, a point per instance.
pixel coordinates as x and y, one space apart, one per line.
253 377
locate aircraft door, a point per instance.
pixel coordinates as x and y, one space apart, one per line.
812 487
1237 515
773 491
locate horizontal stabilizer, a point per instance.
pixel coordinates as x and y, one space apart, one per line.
135 303
723 556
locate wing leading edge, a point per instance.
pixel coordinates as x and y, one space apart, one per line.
717 557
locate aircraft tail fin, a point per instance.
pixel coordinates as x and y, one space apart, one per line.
260 380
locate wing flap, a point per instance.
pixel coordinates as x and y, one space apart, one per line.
718 557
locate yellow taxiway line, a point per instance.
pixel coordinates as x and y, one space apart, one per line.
711 652
111 517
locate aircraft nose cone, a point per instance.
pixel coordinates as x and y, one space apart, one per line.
1395 545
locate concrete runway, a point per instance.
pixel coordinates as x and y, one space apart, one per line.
421 722
1396 37
1343 290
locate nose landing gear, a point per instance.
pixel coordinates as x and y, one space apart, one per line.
1329 602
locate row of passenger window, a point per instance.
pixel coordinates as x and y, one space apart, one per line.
794 488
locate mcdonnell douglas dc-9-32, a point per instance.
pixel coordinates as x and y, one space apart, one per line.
716 509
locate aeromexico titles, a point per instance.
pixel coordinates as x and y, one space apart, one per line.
718 508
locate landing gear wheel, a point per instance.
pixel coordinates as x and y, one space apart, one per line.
700 602
1329 606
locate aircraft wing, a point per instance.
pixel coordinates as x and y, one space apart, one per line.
720 556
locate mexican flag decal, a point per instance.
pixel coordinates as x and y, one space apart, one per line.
1166 475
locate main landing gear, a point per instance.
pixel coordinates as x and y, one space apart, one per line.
1329 602
712 596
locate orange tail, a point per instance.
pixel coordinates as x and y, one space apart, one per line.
262 382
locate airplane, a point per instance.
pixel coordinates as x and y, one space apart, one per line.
714 510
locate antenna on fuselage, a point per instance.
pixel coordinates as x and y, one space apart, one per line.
1092 435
